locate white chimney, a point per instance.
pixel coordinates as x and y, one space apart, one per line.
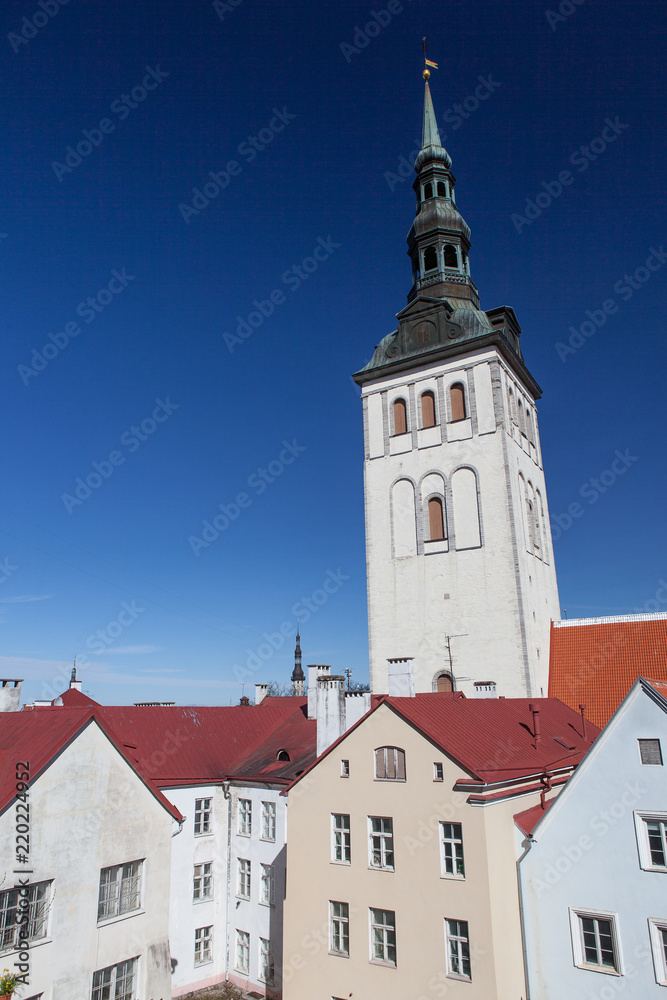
401 679
261 691
10 696
330 710
315 670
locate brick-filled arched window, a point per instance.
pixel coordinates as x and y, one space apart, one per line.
428 409
457 398
400 417
451 260
436 520
390 764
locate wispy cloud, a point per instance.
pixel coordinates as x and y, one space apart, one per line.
133 650
161 670
24 599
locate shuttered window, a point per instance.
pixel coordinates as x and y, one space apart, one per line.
428 410
436 520
457 398
390 764
400 417
650 751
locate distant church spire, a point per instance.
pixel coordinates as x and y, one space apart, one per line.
298 677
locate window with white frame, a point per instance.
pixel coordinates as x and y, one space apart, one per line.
345 769
381 842
267 885
595 940
266 967
451 850
652 840
339 936
269 821
118 981
438 772
458 949
390 764
203 945
242 951
202 882
202 816
650 751
120 890
243 887
383 936
340 838
245 817
39 896
658 931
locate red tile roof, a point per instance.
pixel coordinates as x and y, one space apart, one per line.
529 818
39 736
73 698
595 662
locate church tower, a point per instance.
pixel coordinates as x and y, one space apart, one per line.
298 676
461 575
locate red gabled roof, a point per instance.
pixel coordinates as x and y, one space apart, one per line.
596 661
38 737
73 698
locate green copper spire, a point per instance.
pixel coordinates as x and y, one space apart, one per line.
430 134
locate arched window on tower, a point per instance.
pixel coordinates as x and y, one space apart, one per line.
512 407
400 417
436 520
444 683
522 426
451 260
428 191
430 259
457 399
428 409
442 190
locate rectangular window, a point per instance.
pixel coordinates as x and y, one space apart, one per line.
381 842
651 831
594 940
202 883
650 751
245 817
118 981
202 816
120 890
451 850
243 889
266 971
438 774
658 929
267 885
345 769
242 951
383 936
339 937
39 896
458 949
203 945
340 838
269 821
390 764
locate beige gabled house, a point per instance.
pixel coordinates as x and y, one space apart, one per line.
402 848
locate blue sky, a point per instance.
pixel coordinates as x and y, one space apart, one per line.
192 361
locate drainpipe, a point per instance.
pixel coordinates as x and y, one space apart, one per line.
227 794
582 709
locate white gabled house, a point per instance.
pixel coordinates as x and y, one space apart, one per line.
593 874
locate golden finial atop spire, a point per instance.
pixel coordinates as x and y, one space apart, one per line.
427 62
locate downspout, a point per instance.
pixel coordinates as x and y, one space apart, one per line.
529 840
228 797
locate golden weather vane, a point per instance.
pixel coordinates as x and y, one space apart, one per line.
427 62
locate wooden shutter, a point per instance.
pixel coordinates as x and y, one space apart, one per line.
458 400
380 766
400 417
444 683
436 519
400 765
428 410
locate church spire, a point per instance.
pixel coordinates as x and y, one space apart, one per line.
298 677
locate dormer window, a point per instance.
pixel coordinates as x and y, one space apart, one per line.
430 259
282 755
451 260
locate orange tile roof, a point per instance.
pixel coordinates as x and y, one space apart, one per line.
595 661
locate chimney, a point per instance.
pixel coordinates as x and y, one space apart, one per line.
400 677
582 709
330 710
536 722
315 670
244 701
10 695
261 691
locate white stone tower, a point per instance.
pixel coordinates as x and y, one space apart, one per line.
460 563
